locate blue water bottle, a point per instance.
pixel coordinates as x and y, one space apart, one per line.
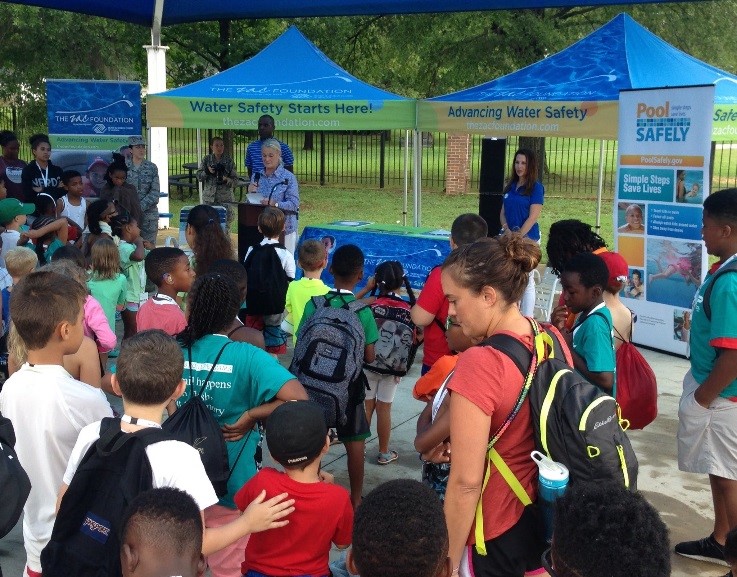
553 480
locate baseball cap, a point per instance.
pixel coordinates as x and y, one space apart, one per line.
12 207
295 432
617 267
136 141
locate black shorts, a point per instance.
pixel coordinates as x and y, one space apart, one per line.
513 552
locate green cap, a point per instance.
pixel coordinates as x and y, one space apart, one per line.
12 207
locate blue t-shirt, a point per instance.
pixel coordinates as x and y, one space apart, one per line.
720 332
245 377
593 340
256 163
517 208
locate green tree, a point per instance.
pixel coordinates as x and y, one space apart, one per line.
36 44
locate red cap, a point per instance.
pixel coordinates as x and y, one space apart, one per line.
617 267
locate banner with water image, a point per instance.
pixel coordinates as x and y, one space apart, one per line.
89 120
662 180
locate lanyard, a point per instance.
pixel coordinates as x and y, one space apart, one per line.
44 177
140 422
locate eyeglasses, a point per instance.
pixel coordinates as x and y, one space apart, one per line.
547 563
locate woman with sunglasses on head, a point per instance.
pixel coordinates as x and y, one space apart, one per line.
483 282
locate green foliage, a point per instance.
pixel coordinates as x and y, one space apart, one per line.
36 44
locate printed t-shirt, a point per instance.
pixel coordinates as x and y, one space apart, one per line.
109 293
517 208
161 312
490 380
720 332
323 515
173 464
337 299
593 340
245 377
432 299
298 293
48 409
134 272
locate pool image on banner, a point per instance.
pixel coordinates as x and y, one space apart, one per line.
673 271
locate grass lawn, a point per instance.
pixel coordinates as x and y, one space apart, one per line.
324 204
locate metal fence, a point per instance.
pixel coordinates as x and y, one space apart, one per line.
380 159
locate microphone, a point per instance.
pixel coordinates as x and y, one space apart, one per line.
284 182
256 177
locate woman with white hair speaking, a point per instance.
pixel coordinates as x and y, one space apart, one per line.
278 187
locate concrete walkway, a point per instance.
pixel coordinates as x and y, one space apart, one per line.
684 500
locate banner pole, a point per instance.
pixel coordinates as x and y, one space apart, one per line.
600 187
406 177
199 157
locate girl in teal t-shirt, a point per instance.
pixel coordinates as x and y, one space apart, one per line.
245 386
132 251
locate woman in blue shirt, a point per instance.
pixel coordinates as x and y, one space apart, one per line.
523 203
278 187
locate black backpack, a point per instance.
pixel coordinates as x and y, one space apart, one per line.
267 281
328 357
576 423
85 539
14 482
194 424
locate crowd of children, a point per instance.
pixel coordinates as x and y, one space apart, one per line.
209 333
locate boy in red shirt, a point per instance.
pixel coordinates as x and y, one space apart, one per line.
297 437
431 309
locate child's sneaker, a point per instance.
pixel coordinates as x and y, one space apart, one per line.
706 549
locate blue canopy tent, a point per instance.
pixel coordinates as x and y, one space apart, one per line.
576 91
293 81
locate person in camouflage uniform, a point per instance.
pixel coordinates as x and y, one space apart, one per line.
144 175
218 175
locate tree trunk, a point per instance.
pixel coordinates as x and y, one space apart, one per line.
537 145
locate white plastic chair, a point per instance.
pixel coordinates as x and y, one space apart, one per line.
547 292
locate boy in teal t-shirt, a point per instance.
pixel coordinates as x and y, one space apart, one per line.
347 269
592 344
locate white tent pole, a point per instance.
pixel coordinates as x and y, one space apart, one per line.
158 145
416 174
406 177
600 187
199 157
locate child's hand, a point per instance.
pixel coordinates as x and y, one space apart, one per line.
558 317
262 515
370 283
148 245
235 431
326 477
439 454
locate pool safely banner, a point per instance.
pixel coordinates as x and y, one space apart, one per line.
662 180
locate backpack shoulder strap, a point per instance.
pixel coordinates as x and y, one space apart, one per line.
356 306
511 347
731 267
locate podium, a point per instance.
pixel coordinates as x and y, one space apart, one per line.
248 234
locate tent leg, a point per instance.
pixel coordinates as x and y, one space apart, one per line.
158 145
417 175
600 186
406 177
199 156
